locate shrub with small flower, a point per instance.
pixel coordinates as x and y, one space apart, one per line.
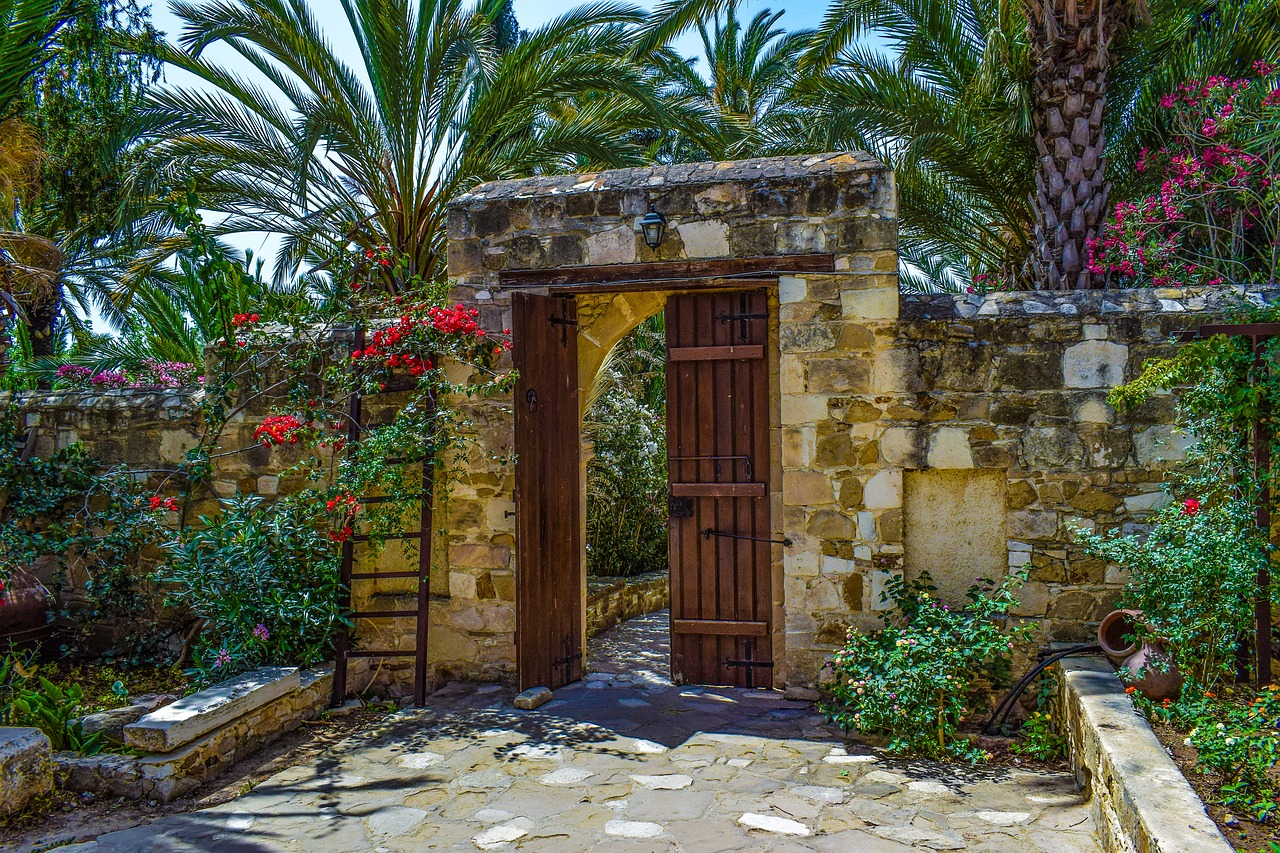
151 373
263 577
917 679
1215 216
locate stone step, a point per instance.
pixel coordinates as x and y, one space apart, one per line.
196 715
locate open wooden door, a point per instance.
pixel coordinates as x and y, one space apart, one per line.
718 464
549 634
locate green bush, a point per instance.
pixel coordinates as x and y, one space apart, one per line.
264 577
627 476
917 679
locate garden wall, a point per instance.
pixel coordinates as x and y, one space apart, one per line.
959 434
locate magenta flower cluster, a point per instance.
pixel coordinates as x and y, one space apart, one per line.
1207 216
154 374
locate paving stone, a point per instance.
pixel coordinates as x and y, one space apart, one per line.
633 829
471 773
666 782
396 820
497 836
1003 818
820 794
772 823
566 776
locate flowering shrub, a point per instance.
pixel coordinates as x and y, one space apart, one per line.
1216 215
152 374
1237 741
93 523
264 579
916 679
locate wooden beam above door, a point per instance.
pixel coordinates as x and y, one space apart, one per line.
668 275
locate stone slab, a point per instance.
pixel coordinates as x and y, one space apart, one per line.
200 713
1141 801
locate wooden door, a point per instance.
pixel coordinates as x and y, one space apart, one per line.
549 634
718 464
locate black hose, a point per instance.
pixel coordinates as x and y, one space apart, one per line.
1047 658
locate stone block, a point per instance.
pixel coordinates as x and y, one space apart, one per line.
791 289
837 375
532 698
613 246
1033 525
954 528
874 303
949 448
1159 445
903 447
192 716
705 239
26 768
807 488
1094 364
804 408
1051 447
883 490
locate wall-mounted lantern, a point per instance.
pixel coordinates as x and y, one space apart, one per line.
653 225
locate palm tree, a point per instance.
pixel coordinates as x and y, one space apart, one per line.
743 104
326 154
26 29
948 107
1070 43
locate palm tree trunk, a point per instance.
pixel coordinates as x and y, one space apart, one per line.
1069 40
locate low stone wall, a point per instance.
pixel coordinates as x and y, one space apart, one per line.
165 776
1141 801
614 600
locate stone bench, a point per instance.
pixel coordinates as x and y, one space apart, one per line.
194 716
200 736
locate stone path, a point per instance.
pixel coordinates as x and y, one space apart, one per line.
624 762
638 650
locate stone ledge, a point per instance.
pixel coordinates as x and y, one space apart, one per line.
165 776
196 715
1141 801
1091 303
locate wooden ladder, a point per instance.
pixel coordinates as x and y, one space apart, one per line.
422 612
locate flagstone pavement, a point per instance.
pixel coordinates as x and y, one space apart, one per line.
624 761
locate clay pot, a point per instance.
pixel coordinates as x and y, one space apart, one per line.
1153 671
1113 629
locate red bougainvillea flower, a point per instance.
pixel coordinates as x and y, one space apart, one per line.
170 504
1131 690
1190 506
278 429
341 535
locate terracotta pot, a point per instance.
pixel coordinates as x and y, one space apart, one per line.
1113 629
1153 672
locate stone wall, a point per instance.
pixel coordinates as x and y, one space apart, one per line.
614 600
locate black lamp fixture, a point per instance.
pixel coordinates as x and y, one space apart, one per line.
653 225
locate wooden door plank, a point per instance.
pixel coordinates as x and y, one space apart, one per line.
717 353
726 627
718 490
